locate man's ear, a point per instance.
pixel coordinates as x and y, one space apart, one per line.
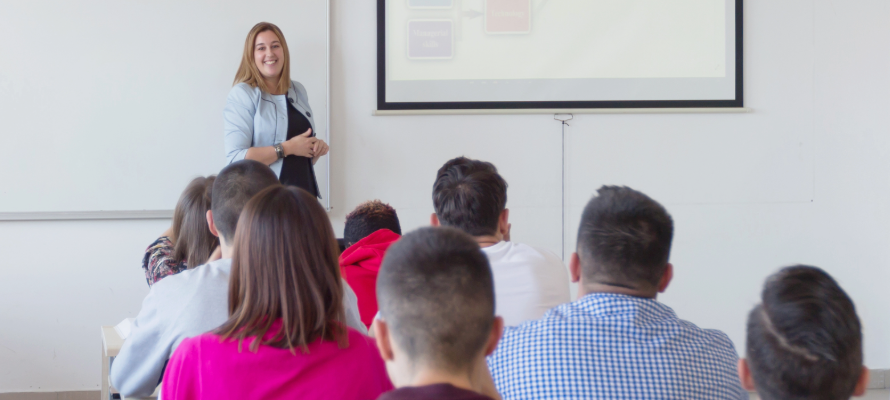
210 224
497 330
745 375
862 383
575 268
381 335
504 222
666 278
434 220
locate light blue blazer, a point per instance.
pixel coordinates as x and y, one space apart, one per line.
254 118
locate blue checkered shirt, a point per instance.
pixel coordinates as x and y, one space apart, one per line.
611 346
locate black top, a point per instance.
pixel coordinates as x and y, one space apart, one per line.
296 170
442 391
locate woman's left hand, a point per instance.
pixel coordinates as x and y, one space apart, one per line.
319 149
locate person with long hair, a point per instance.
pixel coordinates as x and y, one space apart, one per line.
188 242
267 116
286 336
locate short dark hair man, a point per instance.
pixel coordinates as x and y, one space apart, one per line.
369 217
616 340
195 301
437 320
804 340
470 195
370 229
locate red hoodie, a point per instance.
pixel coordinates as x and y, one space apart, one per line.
359 265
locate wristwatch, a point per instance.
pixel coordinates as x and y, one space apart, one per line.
279 150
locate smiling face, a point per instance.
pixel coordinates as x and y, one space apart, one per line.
268 55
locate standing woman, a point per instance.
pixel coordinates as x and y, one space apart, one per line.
267 115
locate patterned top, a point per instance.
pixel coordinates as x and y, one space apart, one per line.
611 346
158 261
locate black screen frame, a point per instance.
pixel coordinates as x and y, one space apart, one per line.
383 105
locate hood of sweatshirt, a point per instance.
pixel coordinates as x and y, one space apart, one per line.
368 252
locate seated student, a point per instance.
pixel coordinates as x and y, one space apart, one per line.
804 340
195 301
187 242
471 196
286 336
437 320
617 341
370 229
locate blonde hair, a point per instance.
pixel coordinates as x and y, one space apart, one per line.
250 74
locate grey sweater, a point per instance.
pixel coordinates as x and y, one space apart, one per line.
177 307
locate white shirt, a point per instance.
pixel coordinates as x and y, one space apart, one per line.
527 281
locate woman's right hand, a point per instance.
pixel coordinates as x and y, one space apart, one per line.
300 145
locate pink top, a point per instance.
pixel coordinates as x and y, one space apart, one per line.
203 368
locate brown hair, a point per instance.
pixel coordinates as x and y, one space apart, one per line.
470 195
369 217
193 241
804 339
436 293
285 266
235 185
250 74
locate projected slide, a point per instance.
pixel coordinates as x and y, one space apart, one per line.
559 50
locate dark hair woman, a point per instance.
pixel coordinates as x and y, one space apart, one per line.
286 336
188 242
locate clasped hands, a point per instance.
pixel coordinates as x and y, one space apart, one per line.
305 146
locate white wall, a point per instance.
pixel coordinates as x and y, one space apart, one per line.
62 281
799 180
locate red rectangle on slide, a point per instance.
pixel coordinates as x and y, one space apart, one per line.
508 16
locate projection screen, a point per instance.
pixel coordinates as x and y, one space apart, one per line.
478 54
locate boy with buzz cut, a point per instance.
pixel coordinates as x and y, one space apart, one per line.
437 321
804 340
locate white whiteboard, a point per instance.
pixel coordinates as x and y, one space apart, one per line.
109 105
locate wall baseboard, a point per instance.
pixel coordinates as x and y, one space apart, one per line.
879 379
83 395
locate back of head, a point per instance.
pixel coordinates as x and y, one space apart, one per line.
624 238
285 266
235 185
369 217
436 293
804 340
470 195
194 242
